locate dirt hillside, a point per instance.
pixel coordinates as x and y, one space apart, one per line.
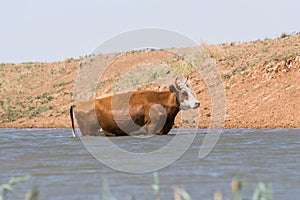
261 80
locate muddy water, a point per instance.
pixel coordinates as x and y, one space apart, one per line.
64 169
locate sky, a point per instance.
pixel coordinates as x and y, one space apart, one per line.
54 30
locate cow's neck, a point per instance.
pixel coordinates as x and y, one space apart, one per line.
177 101
175 104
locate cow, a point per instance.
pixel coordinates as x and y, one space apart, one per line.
145 112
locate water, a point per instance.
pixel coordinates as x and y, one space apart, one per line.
64 169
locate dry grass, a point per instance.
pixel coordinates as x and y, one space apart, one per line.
214 51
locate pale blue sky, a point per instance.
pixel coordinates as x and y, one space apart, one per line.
53 30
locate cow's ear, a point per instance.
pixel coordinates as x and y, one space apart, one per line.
173 89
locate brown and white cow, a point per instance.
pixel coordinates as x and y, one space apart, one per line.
139 112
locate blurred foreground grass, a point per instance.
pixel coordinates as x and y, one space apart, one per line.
262 191
32 194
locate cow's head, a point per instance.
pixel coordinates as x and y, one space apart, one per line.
185 95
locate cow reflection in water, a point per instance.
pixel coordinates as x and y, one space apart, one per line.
133 113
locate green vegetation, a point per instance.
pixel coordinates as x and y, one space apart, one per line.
288 54
69 60
226 76
149 75
239 69
13 111
9 187
284 35
45 96
179 193
27 88
236 186
61 84
139 77
106 194
28 63
289 85
141 50
262 191
156 186
184 68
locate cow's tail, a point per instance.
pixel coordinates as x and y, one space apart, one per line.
72 120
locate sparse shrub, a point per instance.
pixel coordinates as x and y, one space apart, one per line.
62 69
227 76
289 85
37 111
139 77
239 69
284 35
184 68
46 96
10 113
61 84
17 109
69 60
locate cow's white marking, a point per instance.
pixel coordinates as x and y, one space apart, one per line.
191 102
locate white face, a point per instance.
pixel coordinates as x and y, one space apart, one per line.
187 98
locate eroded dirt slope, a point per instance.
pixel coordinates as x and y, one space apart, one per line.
261 80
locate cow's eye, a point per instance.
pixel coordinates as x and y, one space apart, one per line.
185 94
